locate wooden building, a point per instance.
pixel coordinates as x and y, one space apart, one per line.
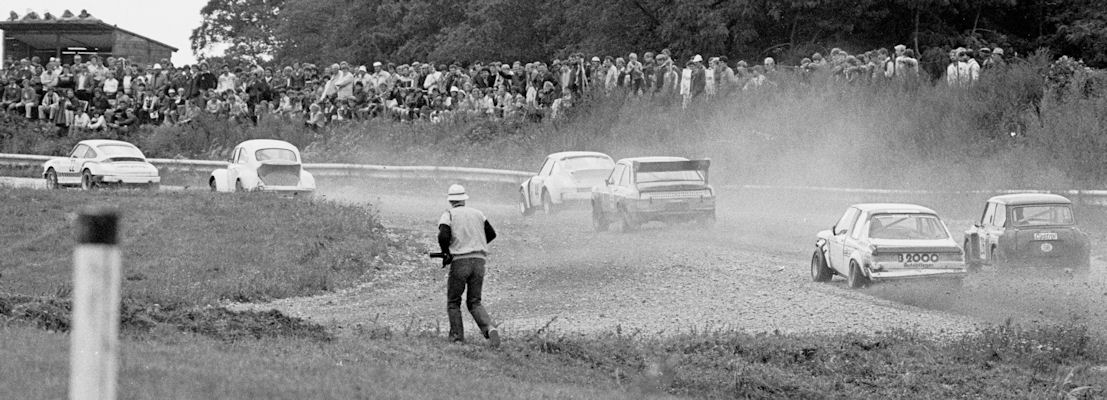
70 35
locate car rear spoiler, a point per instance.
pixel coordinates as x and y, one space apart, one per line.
662 166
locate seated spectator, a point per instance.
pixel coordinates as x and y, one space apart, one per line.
97 122
28 100
81 121
11 95
49 105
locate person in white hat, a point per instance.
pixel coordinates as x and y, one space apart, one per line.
463 236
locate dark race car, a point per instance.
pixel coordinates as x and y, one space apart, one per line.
1036 230
643 189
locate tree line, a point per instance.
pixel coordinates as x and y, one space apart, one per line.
441 31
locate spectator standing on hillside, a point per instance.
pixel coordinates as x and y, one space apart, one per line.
996 59
463 237
227 80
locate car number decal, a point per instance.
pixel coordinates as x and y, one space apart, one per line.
1045 236
918 257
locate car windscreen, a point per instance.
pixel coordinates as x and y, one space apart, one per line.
583 163
1042 215
669 176
120 152
275 154
907 227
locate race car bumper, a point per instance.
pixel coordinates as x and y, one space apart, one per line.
905 274
287 190
129 179
674 209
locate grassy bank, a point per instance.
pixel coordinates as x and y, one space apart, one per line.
177 347
999 363
1035 124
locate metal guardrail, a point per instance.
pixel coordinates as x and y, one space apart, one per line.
508 176
319 169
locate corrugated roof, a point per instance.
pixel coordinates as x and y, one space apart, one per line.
75 26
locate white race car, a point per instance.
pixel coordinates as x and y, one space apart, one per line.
874 242
94 163
263 165
565 177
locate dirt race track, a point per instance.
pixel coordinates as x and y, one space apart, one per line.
750 272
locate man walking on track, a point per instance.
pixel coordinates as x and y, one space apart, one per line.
463 235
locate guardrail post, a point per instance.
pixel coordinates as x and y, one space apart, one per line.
94 337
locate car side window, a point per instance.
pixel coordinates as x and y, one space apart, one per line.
78 150
626 181
90 153
546 168
858 226
240 156
1000 217
989 210
846 222
616 174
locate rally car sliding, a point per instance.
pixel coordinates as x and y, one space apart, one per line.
1028 230
564 178
263 165
96 163
879 242
644 189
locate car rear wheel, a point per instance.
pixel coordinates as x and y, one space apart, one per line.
523 209
238 186
212 185
599 221
87 183
820 272
548 207
856 279
52 179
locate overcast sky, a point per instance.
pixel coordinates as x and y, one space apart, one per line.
167 21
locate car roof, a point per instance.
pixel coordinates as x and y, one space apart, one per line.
875 208
101 142
571 154
652 159
267 144
1030 198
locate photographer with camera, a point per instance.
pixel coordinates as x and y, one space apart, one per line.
463 236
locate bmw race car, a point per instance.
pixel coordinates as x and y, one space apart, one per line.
95 163
564 178
644 189
878 242
1030 230
263 165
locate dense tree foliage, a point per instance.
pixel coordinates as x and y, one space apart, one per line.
508 30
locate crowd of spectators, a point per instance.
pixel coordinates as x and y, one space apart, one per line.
94 93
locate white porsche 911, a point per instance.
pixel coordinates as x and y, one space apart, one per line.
263 165
95 163
565 177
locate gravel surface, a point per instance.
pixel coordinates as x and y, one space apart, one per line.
749 272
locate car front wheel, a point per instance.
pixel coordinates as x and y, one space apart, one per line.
856 279
52 179
86 181
820 272
238 186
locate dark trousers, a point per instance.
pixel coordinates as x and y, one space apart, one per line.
466 275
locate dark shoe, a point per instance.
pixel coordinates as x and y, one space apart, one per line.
494 337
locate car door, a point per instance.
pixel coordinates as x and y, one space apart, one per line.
978 247
64 167
538 181
234 169
993 230
837 256
610 186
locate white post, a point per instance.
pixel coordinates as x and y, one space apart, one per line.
94 347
